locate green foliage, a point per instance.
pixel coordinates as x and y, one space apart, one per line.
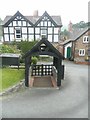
79 25
65 34
34 60
24 46
8 49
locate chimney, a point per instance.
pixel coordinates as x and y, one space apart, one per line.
35 13
70 26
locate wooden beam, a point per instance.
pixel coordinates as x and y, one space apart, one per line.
59 73
27 65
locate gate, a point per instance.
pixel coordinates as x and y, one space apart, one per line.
41 70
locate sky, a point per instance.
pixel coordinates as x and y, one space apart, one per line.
69 10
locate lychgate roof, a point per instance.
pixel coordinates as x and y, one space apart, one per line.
44 47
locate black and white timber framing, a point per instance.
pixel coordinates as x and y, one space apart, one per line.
19 27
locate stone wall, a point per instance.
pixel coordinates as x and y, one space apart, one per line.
80 45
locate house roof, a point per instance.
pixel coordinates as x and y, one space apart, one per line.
81 33
9 19
76 37
50 50
34 19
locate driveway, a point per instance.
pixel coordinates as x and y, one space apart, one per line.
71 101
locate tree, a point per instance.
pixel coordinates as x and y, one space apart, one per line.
65 34
80 25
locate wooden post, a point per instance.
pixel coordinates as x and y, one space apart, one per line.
34 34
27 65
55 61
59 73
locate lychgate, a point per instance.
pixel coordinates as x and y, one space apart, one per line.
44 47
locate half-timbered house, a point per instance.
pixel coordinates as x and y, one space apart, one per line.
19 27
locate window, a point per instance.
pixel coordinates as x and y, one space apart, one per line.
24 23
41 23
24 30
19 23
56 30
37 37
31 31
81 52
44 31
55 38
49 30
18 33
31 37
85 39
11 37
49 23
14 23
6 30
11 30
45 23
37 30
50 38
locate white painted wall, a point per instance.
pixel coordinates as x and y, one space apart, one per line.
65 50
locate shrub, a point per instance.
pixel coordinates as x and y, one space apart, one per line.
34 60
6 49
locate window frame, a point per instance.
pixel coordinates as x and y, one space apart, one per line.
16 34
81 52
87 39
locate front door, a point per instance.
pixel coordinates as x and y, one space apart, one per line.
68 52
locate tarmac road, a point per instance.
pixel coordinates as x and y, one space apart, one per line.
71 101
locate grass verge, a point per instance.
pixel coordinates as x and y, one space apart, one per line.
10 77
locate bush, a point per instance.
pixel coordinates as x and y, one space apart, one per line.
34 60
6 49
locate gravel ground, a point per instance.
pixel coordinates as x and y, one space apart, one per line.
71 101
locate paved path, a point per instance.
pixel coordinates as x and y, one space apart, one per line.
71 101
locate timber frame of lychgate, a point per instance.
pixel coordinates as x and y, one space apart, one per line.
44 47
